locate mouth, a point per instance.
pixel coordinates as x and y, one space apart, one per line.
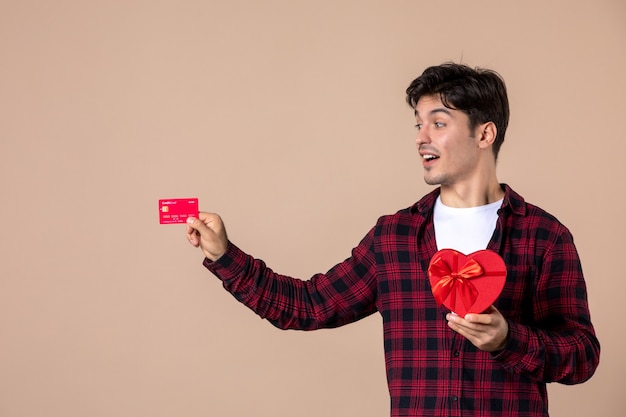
429 158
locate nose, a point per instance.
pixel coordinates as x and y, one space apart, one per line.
422 137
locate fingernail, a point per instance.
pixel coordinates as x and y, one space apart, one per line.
190 220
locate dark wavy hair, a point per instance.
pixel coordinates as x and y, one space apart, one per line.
479 93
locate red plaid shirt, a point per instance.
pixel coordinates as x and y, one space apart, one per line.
431 370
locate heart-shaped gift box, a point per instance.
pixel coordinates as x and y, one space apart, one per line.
466 283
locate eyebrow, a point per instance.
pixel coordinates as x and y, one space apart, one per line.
437 110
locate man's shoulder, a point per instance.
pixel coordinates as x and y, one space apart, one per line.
414 214
531 215
401 216
519 204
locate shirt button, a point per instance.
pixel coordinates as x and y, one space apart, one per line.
455 398
456 353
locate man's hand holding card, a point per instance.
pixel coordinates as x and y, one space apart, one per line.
208 233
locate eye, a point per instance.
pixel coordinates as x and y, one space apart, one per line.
440 124
418 126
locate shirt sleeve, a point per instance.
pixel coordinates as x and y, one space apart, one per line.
344 294
561 345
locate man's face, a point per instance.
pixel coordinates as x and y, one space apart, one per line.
449 149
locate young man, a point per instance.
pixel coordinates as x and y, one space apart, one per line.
495 363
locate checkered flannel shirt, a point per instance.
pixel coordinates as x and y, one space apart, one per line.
431 370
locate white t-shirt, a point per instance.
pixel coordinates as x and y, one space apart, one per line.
465 229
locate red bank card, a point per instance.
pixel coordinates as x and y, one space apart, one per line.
176 210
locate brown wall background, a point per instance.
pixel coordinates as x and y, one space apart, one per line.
288 118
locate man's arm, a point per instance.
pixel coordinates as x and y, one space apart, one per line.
560 345
344 294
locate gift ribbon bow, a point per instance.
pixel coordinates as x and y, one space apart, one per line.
455 280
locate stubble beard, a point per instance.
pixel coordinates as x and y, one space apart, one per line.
433 179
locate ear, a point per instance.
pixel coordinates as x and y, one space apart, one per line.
486 134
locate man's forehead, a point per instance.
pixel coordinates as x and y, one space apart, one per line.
432 105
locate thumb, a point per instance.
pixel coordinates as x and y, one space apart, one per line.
207 224
197 225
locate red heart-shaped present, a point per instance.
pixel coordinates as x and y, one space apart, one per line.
466 283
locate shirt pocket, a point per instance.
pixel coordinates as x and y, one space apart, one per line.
516 299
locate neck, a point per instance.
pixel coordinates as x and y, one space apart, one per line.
473 194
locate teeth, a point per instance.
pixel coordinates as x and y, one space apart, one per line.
429 157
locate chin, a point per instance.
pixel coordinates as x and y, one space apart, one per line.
432 181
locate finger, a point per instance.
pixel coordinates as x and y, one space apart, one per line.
192 235
460 325
206 216
193 238
467 328
212 220
467 333
479 318
199 225
489 316
478 337
460 321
